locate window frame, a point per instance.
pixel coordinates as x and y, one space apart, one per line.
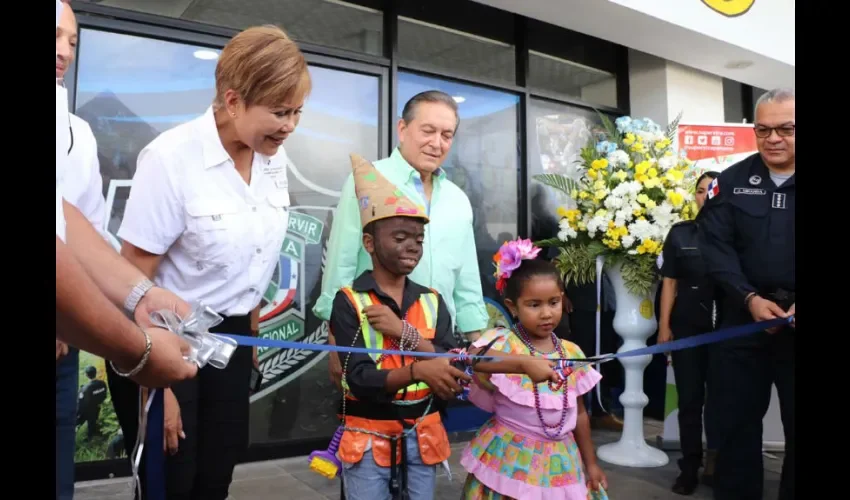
386 67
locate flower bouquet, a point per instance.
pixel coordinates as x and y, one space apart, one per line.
631 188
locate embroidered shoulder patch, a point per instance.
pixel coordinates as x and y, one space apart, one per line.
713 189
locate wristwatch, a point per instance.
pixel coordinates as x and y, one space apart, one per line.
136 294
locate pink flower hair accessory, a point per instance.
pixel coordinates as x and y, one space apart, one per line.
510 256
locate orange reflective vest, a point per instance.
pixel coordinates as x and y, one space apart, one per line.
431 434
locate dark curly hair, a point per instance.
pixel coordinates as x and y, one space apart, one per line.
527 270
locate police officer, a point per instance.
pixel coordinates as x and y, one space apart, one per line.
91 397
687 300
747 231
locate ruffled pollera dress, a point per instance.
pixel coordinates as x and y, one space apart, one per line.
511 457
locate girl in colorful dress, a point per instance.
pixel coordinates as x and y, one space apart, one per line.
537 444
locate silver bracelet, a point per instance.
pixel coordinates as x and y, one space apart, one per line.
136 295
141 364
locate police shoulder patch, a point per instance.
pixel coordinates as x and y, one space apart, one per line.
713 188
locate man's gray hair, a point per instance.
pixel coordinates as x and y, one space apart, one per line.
434 96
775 95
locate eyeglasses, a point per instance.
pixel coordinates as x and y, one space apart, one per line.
782 131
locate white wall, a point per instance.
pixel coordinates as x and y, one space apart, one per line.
688 32
767 28
660 90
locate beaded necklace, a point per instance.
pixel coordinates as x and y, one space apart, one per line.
407 332
566 371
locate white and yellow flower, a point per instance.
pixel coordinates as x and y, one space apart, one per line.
633 187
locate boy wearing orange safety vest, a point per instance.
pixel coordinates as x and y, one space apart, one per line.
394 437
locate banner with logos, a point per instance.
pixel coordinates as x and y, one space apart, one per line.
716 147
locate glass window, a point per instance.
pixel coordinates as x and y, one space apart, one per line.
556 134
483 162
733 102
128 101
573 64
436 49
552 74
333 23
297 400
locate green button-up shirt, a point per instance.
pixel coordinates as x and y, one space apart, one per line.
449 262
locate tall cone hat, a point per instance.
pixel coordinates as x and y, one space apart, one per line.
377 197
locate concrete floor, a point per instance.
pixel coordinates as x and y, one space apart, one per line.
292 478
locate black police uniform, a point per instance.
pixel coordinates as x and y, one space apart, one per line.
90 399
747 237
692 314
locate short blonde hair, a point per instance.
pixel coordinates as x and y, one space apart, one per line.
265 67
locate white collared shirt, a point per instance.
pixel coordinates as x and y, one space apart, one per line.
62 143
220 237
83 185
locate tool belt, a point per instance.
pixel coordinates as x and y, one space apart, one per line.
388 411
404 414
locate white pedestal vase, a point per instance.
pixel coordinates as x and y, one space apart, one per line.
634 322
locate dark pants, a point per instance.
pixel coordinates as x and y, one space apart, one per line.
690 367
741 374
214 407
89 417
67 382
583 334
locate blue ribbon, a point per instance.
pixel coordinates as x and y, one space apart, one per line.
676 345
155 460
697 340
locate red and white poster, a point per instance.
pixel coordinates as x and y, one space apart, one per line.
715 147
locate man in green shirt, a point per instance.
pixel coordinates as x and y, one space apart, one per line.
449 263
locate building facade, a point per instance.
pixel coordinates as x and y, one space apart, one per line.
530 79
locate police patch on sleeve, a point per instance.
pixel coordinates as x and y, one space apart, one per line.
660 260
713 189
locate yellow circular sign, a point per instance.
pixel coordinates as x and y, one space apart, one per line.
730 8
646 309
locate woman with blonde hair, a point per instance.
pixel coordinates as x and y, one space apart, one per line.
206 217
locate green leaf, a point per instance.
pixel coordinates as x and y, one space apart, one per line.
610 127
596 248
576 264
640 273
673 128
559 182
551 242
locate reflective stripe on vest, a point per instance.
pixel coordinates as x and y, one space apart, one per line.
373 339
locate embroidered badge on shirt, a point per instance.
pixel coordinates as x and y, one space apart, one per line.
752 191
755 180
274 171
778 201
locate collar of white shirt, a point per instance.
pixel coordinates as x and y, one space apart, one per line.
214 152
